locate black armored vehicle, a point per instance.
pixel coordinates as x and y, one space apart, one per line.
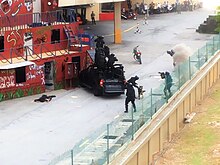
104 77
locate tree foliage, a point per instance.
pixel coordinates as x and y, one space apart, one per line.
218 19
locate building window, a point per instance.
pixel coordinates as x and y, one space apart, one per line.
1 43
108 7
55 36
20 75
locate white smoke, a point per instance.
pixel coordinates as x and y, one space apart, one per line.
182 53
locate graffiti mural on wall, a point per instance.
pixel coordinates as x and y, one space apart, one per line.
16 10
7 82
16 40
14 7
7 79
35 72
28 4
41 35
13 37
34 75
6 6
40 40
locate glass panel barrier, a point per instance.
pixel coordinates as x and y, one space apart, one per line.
104 145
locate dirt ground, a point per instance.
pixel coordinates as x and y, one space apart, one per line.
198 143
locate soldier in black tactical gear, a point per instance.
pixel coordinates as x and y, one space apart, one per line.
44 98
133 80
130 96
106 50
100 54
100 58
111 60
99 42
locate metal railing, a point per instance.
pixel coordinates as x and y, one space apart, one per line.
34 52
24 21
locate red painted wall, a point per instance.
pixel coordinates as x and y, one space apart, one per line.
34 75
14 48
13 8
35 81
45 7
14 40
106 16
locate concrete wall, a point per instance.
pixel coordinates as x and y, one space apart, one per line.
96 8
169 119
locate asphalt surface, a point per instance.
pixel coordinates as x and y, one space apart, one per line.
35 133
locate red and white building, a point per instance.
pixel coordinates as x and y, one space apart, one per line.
41 47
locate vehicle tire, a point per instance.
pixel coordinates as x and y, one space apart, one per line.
134 56
140 61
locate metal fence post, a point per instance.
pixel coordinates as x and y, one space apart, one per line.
151 103
219 41
179 83
132 124
213 46
166 99
71 157
142 105
190 69
206 47
199 59
107 152
142 115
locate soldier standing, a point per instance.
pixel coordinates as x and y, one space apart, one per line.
130 97
93 18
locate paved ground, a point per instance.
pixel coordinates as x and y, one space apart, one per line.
34 133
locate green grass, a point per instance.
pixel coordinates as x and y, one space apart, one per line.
197 143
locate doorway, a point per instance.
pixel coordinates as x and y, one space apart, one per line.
49 75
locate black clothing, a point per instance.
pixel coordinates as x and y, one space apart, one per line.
130 91
99 42
133 80
106 50
44 98
111 60
100 58
127 100
130 97
170 52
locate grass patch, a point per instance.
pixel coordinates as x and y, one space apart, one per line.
199 139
